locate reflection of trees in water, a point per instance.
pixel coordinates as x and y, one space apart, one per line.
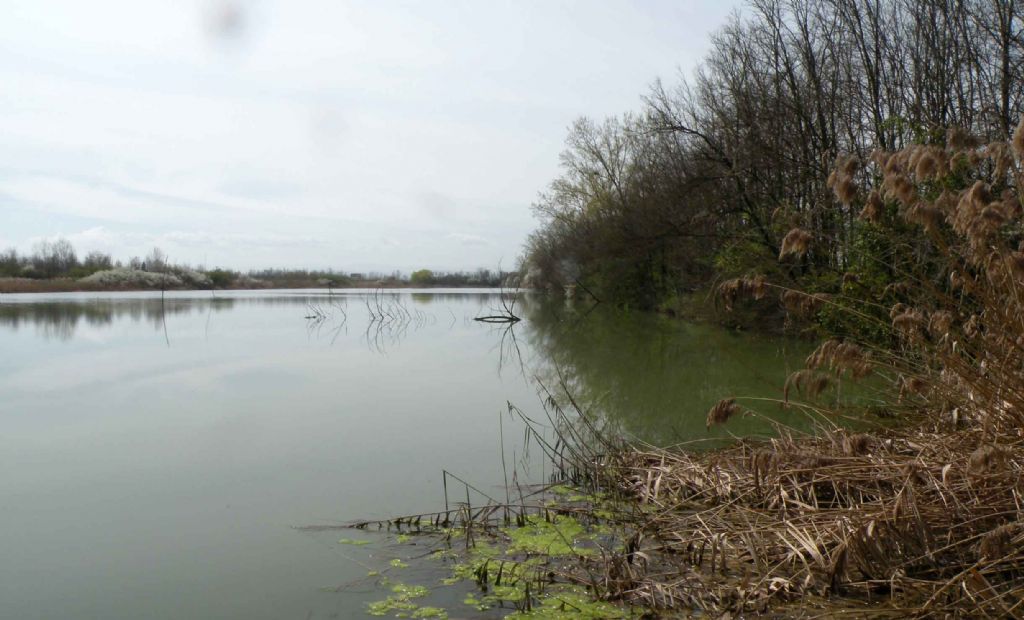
653 377
60 319
449 297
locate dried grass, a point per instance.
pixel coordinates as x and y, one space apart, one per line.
903 521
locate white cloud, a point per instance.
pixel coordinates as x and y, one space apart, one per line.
319 132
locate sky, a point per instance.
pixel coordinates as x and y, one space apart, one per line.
358 136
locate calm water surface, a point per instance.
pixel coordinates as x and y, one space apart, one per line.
156 456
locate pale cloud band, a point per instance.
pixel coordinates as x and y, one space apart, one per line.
362 135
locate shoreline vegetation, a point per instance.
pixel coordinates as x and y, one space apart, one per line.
54 266
61 285
916 513
852 171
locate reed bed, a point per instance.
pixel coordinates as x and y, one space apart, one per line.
920 520
909 522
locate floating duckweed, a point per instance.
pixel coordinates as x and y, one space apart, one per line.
390 604
352 541
569 494
561 489
516 566
407 591
542 537
401 603
573 604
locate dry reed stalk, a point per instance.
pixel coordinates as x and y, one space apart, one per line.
829 521
926 520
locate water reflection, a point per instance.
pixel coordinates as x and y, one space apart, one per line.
181 469
655 378
389 314
59 319
647 376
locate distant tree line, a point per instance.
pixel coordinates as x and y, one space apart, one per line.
706 179
59 259
52 259
480 277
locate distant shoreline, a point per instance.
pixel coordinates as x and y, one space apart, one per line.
69 285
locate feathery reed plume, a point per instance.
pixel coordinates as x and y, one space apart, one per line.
755 287
722 411
926 162
807 382
1002 159
841 180
858 444
839 356
907 321
940 322
795 243
1018 139
848 165
873 207
960 139
845 190
946 202
924 215
802 304
1015 265
897 185
1011 204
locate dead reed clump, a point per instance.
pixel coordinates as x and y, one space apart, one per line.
927 162
795 243
959 139
807 382
858 444
873 208
839 356
1001 157
890 524
802 304
1018 140
925 215
1015 265
729 291
940 322
842 182
987 459
908 322
722 411
1001 541
899 187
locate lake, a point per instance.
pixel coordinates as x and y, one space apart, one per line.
158 454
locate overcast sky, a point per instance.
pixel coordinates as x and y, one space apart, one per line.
360 136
